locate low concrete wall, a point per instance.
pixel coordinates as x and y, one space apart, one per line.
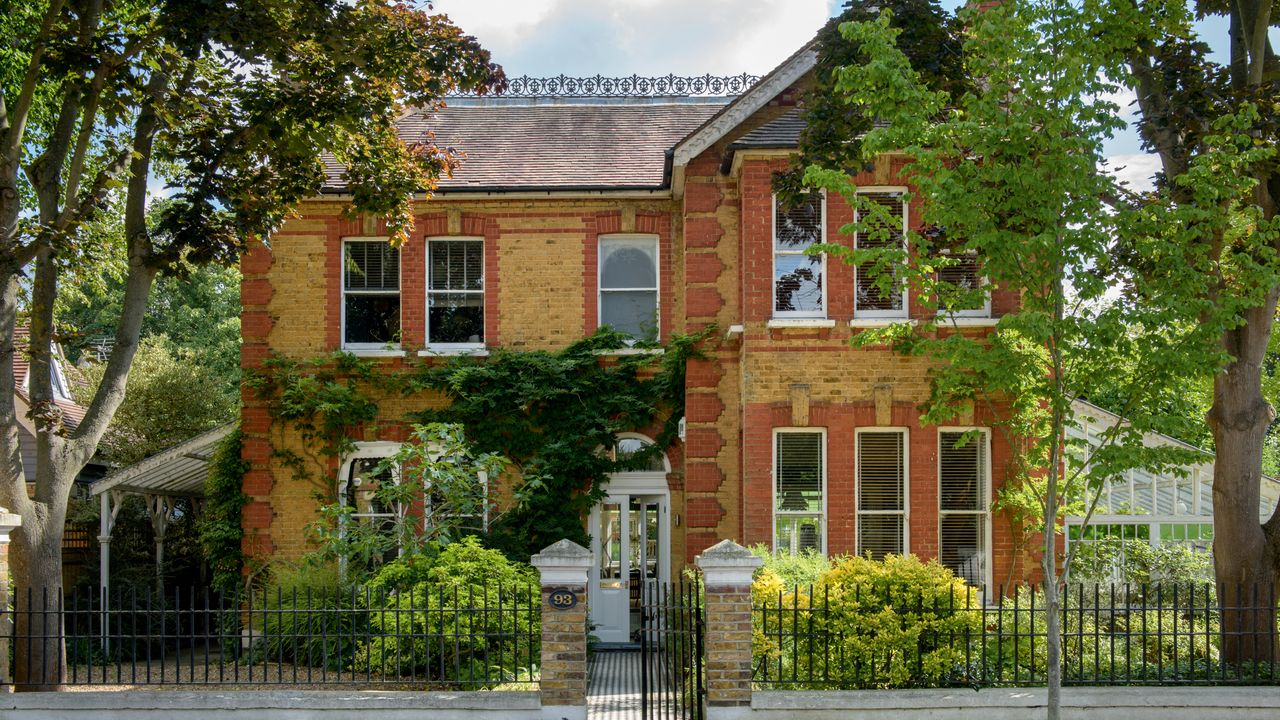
270 705
1109 703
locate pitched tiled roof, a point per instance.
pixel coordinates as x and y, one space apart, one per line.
783 132
534 145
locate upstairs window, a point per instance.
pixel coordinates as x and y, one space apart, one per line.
962 498
884 230
882 517
455 293
370 294
962 287
628 275
800 483
799 289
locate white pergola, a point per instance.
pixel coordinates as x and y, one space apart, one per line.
163 478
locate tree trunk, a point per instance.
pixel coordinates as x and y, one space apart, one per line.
1245 558
39 652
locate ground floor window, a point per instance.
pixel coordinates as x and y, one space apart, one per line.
799 490
882 492
963 483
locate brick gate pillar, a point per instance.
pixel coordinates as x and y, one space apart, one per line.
8 522
726 574
563 567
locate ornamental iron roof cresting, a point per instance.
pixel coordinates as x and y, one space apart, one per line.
633 86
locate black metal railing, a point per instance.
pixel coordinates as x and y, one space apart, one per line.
446 637
672 628
877 637
627 86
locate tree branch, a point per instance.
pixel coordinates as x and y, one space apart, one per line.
110 391
12 148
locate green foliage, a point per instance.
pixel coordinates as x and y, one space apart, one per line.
552 415
168 398
450 619
1139 563
195 317
219 525
1101 641
892 622
790 570
308 617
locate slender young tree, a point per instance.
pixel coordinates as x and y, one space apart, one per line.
1014 194
229 106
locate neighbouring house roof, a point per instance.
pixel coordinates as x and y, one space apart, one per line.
72 413
532 144
179 471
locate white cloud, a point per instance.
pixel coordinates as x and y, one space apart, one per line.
646 37
1136 170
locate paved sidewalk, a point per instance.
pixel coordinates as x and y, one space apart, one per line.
613 692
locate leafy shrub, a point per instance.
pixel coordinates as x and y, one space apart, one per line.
867 623
792 569
469 615
1102 640
308 618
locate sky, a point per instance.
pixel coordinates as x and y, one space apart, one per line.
685 37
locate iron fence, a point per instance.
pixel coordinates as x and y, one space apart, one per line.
446 637
672 630
876 637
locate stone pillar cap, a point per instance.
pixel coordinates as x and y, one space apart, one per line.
564 562
8 521
727 563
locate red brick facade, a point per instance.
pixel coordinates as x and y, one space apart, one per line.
715 240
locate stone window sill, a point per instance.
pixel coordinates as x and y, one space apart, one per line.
800 323
454 352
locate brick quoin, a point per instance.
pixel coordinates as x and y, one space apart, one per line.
255 291
702 232
702 268
702 442
258 482
256 515
256 451
702 374
696 542
255 324
701 197
256 260
702 302
703 477
703 512
253 420
702 407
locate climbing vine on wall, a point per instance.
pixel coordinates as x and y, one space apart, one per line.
219 527
554 415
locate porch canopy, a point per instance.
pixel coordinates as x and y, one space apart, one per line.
161 479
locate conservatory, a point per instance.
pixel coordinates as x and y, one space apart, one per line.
1150 508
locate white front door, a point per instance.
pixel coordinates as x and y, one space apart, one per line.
630 543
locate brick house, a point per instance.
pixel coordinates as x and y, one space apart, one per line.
652 214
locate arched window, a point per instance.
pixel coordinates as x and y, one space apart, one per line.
630 444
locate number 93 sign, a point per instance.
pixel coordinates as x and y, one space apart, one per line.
562 598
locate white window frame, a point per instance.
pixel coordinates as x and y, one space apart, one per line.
446 347
773 495
774 252
381 449
987 555
657 278
904 312
982 312
342 279
906 486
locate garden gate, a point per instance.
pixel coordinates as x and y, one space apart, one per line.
671 644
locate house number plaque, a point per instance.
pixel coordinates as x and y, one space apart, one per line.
562 599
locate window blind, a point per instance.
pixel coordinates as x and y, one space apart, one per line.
882 230
798 500
372 265
962 491
881 493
